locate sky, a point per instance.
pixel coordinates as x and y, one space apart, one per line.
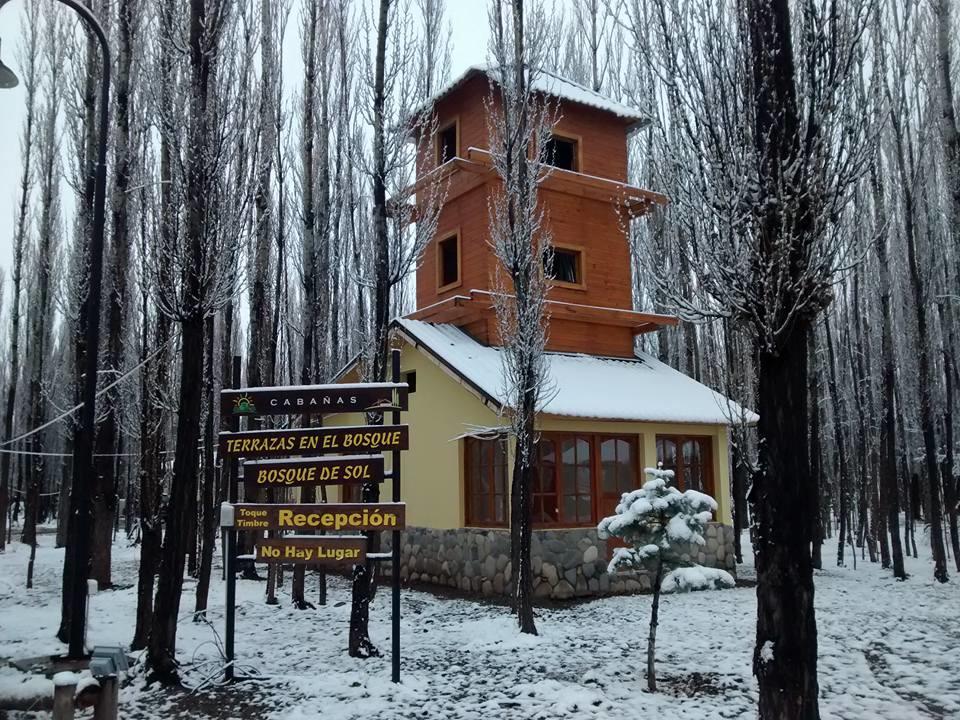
468 22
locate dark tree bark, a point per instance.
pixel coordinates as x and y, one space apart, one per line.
19 242
839 414
816 457
788 681
918 287
785 656
86 161
208 500
360 644
652 635
308 240
181 510
152 452
104 496
946 465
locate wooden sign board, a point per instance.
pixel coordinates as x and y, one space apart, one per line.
324 516
314 441
313 550
313 399
310 472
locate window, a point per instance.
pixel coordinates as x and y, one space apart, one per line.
410 379
546 509
448 262
618 470
447 143
690 459
562 153
486 482
566 266
579 478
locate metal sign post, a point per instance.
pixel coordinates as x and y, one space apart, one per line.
231 546
395 535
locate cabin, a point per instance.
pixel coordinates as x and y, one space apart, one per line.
610 410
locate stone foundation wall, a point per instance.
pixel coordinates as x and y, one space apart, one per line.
566 563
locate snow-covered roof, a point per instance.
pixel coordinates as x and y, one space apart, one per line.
555 86
642 389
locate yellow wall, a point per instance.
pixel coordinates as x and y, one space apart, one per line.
442 408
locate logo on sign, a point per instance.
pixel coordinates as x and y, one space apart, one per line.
243 405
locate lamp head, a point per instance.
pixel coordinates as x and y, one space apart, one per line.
8 78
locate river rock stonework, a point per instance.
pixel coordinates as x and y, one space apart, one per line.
566 563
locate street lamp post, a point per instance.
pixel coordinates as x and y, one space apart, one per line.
78 547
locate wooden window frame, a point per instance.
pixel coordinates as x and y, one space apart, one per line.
471 445
581 252
595 441
572 137
439 261
455 123
710 488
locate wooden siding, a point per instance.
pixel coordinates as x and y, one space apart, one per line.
574 219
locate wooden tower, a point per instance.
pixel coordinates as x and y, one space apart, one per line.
587 202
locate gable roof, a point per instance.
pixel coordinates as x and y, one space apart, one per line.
553 85
583 386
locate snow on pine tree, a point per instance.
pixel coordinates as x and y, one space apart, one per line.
657 522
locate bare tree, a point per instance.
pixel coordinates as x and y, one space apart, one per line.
760 116
910 152
395 114
194 279
41 306
117 275
519 122
29 62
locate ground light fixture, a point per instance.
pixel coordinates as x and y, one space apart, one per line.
8 78
78 545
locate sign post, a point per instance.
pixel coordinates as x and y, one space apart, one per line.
309 457
230 549
395 535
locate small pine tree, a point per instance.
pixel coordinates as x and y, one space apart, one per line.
655 520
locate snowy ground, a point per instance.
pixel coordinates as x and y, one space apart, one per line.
887 650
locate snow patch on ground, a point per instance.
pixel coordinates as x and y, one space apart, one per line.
887 651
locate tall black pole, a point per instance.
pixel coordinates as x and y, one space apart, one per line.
230 547
395 538
83 470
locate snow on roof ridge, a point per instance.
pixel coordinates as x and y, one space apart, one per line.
583 96
586 386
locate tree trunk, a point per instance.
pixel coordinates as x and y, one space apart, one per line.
785 655
208 510
521 522
787 671
19 242
927 421
816 469
840 447
652 638
151 481
359 641
88 129
162 644
946 465
161 648
107 438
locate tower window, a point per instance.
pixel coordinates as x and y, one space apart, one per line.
566 266
448 262
562 153
447 143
